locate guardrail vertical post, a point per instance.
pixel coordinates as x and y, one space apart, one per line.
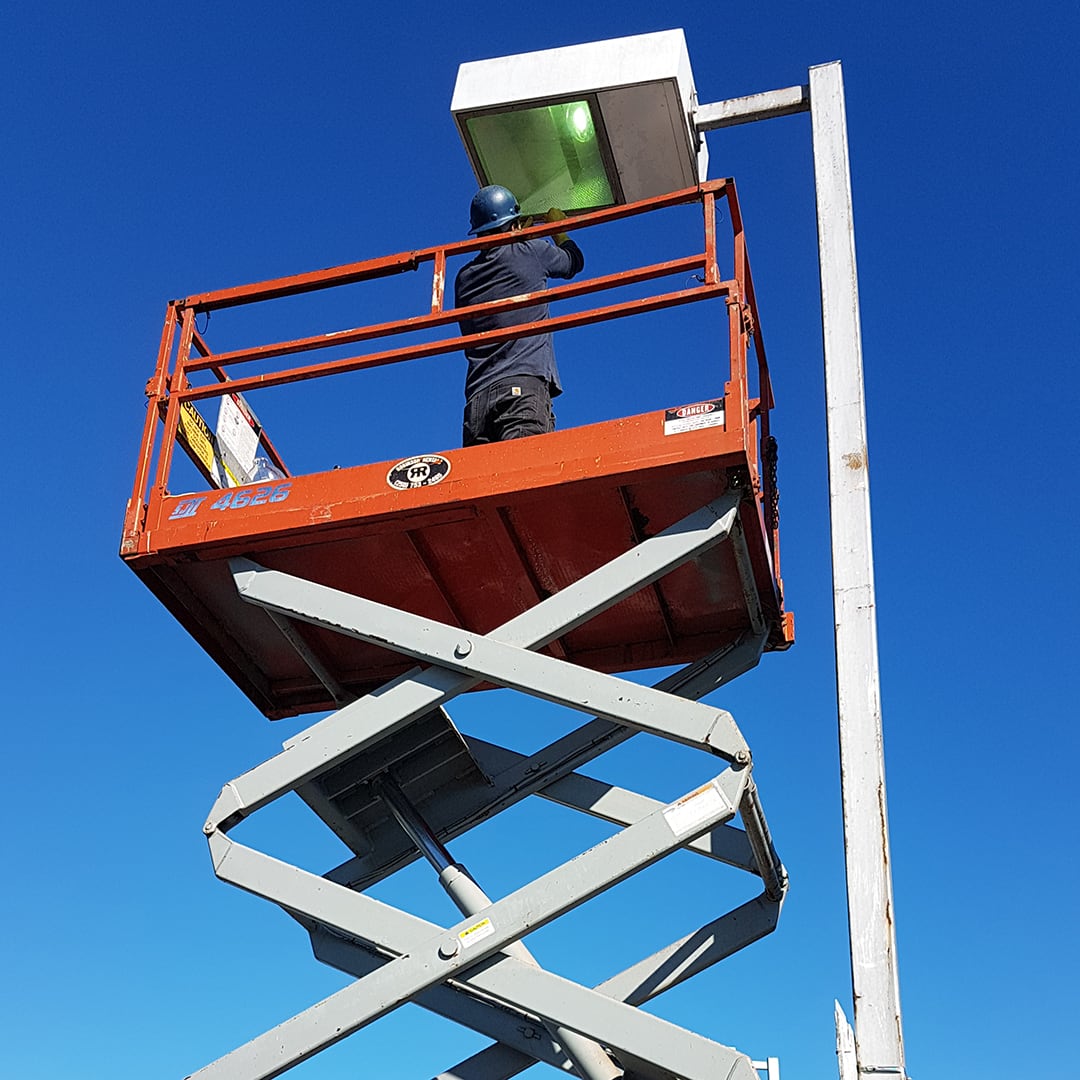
155 391
172 412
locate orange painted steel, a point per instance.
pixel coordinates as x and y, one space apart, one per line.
511 522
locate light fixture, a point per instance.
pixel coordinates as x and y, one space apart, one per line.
584 126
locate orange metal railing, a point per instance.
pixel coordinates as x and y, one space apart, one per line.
184 352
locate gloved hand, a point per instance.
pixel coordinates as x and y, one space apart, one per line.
555 214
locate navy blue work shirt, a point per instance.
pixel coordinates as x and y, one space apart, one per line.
501 272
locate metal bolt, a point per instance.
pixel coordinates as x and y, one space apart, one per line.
449 949
742 757
462 649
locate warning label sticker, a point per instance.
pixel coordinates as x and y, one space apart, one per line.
702 414
691 811
477 932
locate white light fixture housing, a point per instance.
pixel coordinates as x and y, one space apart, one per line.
584 126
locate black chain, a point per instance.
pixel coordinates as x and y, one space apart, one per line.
772 505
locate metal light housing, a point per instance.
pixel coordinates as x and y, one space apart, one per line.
585 126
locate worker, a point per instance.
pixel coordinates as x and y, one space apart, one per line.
509 384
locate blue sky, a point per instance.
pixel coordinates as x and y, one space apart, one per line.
152 152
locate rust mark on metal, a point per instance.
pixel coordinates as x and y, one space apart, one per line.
856 460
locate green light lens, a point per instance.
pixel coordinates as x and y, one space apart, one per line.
547 156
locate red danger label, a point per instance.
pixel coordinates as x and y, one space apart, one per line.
701 414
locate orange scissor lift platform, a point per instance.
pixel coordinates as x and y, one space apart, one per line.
504 527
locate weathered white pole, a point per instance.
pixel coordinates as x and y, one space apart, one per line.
845 1045
879 1041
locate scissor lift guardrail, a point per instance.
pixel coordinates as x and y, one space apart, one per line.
619 479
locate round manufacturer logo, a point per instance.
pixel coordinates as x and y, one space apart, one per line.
417 472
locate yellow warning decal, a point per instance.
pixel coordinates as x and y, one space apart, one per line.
195 436
477 932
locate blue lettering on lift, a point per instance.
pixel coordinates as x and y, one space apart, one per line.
238 498
186 507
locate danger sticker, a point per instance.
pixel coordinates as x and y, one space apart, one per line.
691 811
415 472
477 932
701 414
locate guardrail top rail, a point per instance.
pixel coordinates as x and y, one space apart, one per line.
184 352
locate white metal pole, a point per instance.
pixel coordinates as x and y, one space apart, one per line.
875 983
845 1045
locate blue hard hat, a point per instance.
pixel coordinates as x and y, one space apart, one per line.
492 207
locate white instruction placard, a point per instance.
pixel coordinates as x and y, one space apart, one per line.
237 440
687 814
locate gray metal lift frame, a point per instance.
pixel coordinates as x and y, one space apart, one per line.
476 972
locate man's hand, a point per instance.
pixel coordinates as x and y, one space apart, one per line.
555 214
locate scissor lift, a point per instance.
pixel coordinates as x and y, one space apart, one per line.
544 565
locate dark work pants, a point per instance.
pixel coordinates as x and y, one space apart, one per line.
510 409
